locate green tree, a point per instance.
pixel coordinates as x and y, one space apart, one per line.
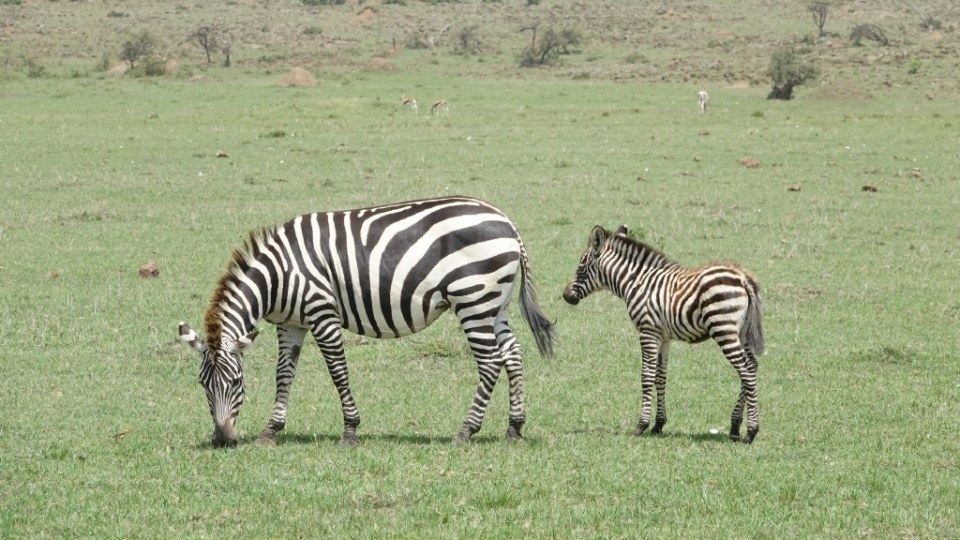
137 47
788 70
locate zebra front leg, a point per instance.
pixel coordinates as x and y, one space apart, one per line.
661 384
648 372
330 340
290 341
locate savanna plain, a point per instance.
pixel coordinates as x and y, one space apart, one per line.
848 214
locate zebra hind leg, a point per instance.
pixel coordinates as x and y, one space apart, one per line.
512 354
746 367
489 365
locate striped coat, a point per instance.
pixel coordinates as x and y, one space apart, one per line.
382 272
719 301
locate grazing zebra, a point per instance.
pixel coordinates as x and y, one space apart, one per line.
704 99
666 301
383 272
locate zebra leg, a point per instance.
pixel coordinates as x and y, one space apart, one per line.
290 341
483 343
512 355
746 365
329 338
650 349
661 384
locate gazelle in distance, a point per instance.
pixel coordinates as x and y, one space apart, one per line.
439 105
409 102
704 98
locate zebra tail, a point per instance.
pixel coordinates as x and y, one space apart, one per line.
530 309
754 319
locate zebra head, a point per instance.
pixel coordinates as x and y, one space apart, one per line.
221 375
587 279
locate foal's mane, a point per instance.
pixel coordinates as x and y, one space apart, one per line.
239 261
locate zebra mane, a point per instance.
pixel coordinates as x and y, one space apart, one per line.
240 260
651 256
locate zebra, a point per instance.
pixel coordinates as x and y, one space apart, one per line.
666 301
384 272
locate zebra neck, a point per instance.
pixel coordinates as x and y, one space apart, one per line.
629 264
237 305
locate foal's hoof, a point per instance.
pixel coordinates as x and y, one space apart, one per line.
348 441
462 438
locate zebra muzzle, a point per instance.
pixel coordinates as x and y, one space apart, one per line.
570 296
224 435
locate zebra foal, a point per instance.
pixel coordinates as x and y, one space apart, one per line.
384 272
666 301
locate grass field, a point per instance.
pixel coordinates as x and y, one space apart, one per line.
105 433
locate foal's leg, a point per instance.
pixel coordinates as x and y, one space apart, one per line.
649 350
661 383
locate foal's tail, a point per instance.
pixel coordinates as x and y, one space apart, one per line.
754 323
530 309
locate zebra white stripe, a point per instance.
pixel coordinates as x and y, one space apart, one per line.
667 301
383 272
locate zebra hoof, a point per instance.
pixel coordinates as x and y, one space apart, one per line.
348 441
513 434
751 434
461 438
640 429
264 440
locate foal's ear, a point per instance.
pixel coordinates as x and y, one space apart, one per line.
597 236
191 338
242 343
622 230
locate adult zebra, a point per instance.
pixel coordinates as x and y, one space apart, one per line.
383 272
666 301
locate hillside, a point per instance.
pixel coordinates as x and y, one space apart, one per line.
687 42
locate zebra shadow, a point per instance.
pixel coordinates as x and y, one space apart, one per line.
373 438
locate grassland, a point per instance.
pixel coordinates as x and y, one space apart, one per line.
104 432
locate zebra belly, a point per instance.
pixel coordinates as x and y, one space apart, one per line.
364 326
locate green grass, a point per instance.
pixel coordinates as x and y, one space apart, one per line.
859 389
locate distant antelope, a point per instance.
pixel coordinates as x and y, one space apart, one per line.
704 98
409 102
439 105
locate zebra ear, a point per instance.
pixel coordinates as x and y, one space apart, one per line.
243 343
597 237
191 338
622 230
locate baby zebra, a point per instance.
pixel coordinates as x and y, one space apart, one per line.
667 301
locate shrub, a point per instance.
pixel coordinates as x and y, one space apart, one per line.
138 47
787 70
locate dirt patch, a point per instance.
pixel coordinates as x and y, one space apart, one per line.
841 91
119 68
379 63
298 78
365 14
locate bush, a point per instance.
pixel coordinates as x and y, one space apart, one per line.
138 47
787 70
